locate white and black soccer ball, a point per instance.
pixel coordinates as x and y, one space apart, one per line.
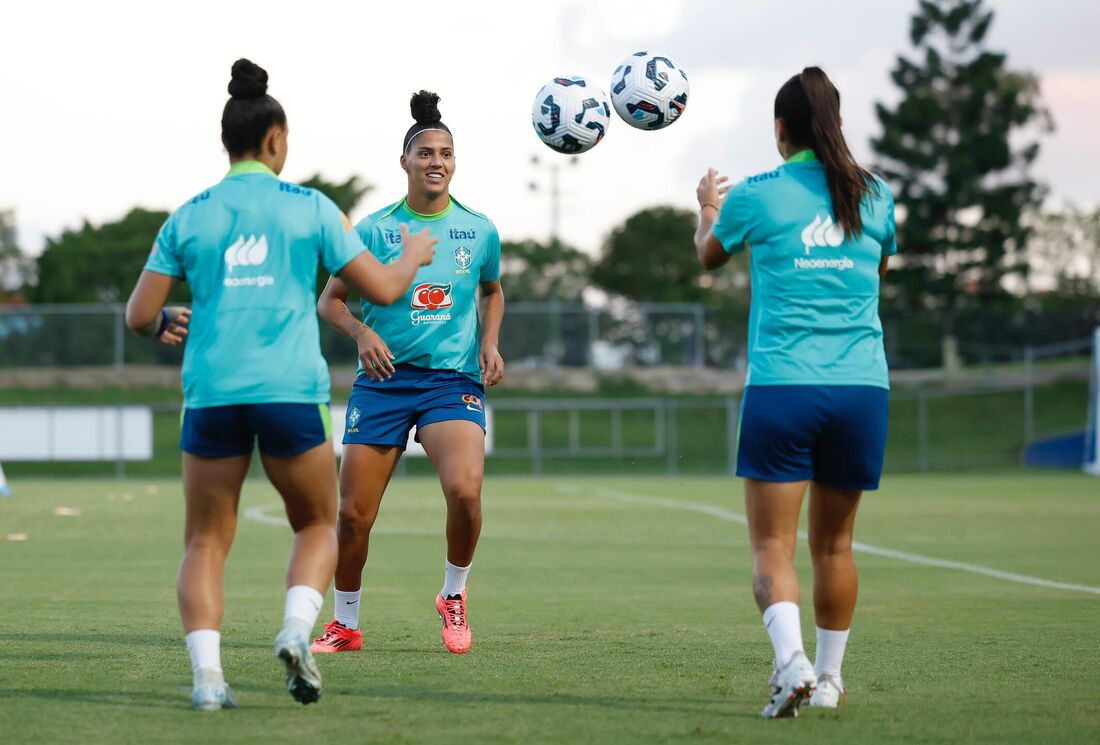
649 91
570 114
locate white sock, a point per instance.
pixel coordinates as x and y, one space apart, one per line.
830 651
347 608
205 648
785 629
303 605
454 580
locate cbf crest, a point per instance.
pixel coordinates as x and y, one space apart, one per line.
463 258
354 417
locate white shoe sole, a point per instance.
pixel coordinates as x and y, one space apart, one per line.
303 679
785 703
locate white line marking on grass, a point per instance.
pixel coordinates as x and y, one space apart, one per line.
737 517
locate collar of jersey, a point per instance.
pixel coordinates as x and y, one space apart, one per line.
803 156
242 167
428 218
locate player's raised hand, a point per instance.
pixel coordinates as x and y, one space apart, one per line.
421 246
712 189
375 355
492 365
175 330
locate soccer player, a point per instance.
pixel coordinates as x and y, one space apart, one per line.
819 230
249 247
424 363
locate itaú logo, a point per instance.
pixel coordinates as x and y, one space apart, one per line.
248 251
822 233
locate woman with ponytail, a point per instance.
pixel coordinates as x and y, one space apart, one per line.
424 362
819 230
250 247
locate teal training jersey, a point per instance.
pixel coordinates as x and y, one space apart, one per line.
250 247
814 313
435 326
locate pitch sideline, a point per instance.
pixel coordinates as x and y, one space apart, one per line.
736 517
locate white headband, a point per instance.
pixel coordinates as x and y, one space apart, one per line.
430 129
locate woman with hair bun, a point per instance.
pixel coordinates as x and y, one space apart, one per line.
424 362
819 230
250 247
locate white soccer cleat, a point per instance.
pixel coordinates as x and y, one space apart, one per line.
830 689
303 679
211 692
790 687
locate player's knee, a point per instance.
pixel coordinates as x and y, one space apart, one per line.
464 493
209 541
356 519
830 547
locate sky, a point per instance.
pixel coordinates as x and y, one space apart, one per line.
114 104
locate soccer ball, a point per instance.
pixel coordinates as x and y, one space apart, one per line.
649 91
571 114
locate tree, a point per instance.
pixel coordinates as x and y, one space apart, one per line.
534 272
97 264
954 151
15 267
650 258
346 195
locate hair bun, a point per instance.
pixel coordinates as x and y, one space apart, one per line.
425 107
249 80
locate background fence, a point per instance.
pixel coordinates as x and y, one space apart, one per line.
930 430
538 335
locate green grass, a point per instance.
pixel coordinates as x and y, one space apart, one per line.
596 620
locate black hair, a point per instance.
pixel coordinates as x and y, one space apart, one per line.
809 105
425 110
250 112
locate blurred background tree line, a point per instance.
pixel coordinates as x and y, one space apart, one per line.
981 265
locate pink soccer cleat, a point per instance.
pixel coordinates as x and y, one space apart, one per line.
456 632
337 638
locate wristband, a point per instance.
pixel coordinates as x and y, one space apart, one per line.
163 322
708 204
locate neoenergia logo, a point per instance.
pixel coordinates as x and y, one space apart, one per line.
246 252
822 233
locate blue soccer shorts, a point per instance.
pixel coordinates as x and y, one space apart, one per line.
832 434
383 412
282 430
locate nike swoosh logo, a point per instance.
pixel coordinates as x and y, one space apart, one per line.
350 602
473 408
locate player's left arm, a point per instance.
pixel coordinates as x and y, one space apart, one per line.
711 192
146 314
492 315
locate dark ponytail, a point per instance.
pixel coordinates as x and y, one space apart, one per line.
250 112
809 105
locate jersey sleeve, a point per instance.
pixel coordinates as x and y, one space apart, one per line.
165 256
735 221
490 267
340 242
365 229
890 242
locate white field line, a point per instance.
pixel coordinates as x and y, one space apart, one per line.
736 517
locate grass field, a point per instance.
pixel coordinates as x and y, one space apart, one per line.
604 610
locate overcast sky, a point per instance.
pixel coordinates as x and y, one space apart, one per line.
113 104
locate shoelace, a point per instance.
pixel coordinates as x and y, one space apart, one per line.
456 613
332 631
